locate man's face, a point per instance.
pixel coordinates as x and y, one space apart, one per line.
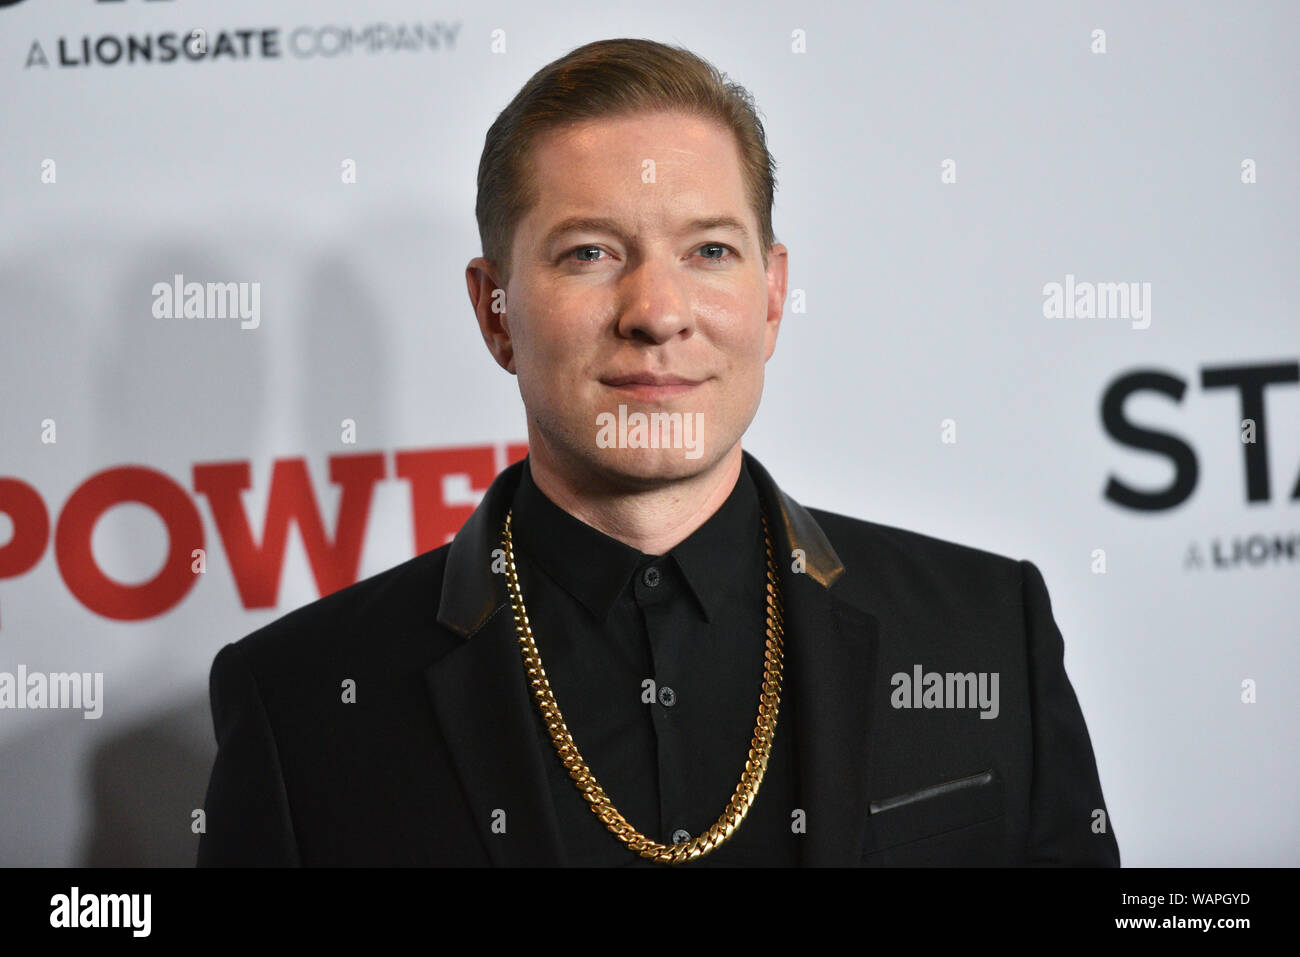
647 305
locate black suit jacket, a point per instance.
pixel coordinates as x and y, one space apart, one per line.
438 761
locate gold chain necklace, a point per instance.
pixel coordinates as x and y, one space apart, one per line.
759 752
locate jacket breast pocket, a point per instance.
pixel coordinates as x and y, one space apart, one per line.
952 823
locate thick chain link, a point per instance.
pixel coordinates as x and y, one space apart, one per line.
760 747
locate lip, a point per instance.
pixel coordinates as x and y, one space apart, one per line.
646 385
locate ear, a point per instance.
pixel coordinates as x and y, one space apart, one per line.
778 266
488 297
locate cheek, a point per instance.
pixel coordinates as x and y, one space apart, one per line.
736 323
555 342
747 346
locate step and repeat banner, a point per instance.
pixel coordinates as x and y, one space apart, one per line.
1043 286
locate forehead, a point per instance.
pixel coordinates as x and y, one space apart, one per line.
602 164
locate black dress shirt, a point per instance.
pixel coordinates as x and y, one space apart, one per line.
656 663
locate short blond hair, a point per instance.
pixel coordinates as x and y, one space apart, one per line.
609 78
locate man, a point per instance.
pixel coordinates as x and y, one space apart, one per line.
639 650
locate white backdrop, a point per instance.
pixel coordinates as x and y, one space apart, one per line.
921 300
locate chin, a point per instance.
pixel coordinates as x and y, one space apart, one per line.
651 466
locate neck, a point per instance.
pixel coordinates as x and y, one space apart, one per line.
652 519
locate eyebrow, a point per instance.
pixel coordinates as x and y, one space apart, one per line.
606 225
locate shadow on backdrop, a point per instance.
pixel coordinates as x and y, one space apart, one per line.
146 784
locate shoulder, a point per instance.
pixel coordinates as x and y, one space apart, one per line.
370 613
936 600
885 561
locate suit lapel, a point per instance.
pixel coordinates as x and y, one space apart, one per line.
830 661
483 702
488 718
830 651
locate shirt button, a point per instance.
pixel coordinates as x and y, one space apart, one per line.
681 835
667 696
651 577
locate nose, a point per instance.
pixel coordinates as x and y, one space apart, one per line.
656 306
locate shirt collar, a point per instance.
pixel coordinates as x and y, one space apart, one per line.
595 568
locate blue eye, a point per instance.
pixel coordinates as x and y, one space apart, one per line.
580 249
577 252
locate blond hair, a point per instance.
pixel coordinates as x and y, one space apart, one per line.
609 78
